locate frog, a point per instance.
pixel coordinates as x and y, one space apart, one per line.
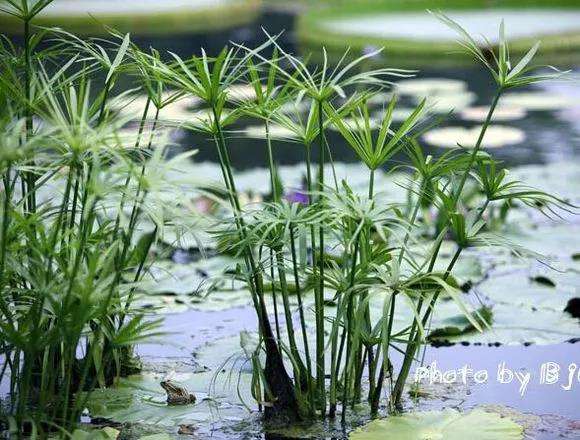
177 395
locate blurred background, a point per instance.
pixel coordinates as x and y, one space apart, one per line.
538 125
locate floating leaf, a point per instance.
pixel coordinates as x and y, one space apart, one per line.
519 290
156 437
141 399
430 86
537 101
501 113
515 325
460 325
445 425
447 102
496 136
276 132
106 433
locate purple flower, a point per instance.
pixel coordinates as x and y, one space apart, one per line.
297 196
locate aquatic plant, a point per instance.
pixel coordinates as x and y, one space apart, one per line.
345 248
74 192
342 261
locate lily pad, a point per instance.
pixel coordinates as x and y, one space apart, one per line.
501 113
430 86
459 324
521 290
182 279
447 102
140 398
561 178
106 433
496 136
537 101
276 132
156 437
551 240
469 269
517 325
445 425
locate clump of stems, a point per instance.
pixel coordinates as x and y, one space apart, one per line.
70 256
68 272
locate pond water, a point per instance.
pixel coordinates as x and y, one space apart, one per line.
191 331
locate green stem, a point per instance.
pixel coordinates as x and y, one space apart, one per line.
486 124
29 176
128 178
369 348
379 383
375 398
5 222
135 214
274 299
414 336
271 163
371 183
274 361
319 294
3 248
301 313
57 227
288 313
349 325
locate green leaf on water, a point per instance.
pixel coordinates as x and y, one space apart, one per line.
460 325
448 424
106 433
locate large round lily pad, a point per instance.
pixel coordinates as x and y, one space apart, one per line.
443 103
501 113
496 136
537 100
275 131
430 86
420 26
149 17
441 425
